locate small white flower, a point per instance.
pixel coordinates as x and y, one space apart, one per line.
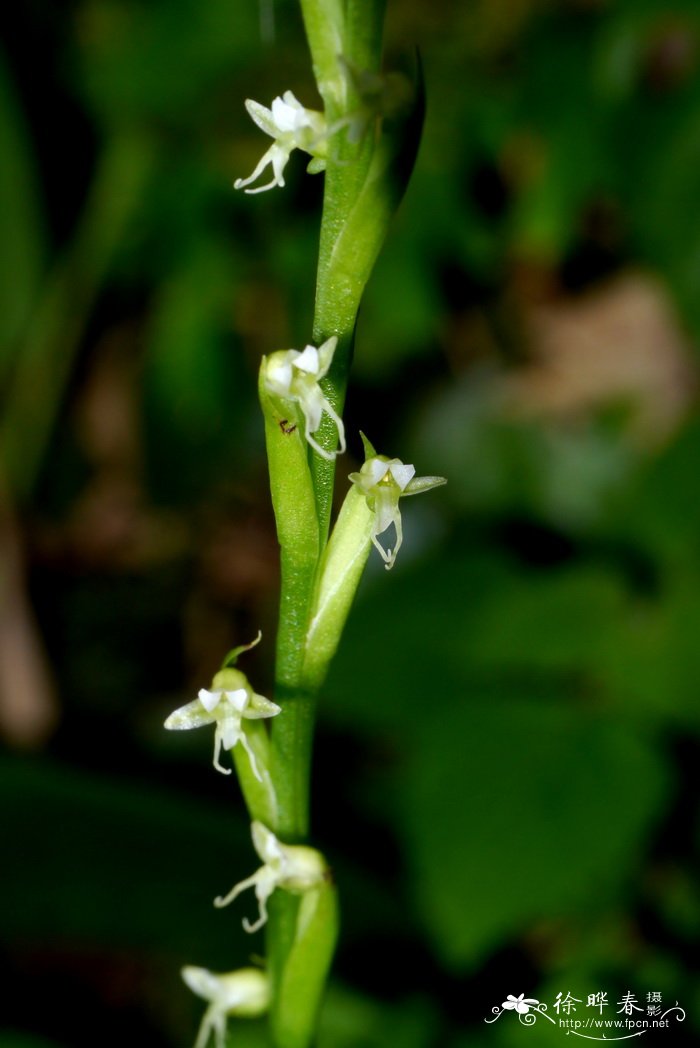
292 127
230 701
295 868
295 375
244 993
384 481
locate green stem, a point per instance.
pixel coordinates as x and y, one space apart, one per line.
354 30
337 302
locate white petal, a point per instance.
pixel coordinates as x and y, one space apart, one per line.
210 699
290 99
286 113
238 699
401 473
202 982
376 469
307 360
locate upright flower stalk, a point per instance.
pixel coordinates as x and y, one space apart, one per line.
365 140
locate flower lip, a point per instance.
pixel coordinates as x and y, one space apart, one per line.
308 361
288 113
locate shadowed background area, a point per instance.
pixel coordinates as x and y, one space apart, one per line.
506 766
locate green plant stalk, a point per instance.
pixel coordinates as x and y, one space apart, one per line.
335 314
356 34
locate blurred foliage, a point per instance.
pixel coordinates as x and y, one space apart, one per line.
506 776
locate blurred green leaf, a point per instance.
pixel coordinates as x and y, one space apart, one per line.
465 623
565 474
140 61
503 767
519 812
197 390
93 861
350 1020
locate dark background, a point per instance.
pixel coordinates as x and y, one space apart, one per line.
506 762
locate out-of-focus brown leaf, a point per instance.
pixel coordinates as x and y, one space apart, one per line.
617 345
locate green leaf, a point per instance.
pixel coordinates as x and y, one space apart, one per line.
195 386
158 60
108 862
521 812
